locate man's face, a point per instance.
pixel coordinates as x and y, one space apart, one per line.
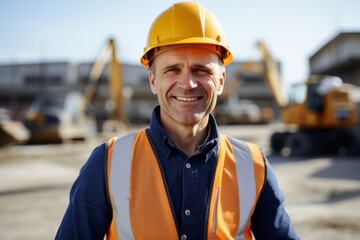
187 81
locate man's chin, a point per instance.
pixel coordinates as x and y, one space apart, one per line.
192 119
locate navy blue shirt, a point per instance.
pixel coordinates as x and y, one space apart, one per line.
188 178
188 183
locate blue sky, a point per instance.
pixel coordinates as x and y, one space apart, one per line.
40 30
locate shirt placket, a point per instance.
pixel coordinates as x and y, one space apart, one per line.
190 199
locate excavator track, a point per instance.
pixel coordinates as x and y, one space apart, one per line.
313 142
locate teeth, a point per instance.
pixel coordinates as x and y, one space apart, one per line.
187 99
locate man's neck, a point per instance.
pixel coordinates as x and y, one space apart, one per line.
187 138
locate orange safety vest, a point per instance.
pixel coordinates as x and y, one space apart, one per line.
140 204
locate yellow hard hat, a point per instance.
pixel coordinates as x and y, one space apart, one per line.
186 23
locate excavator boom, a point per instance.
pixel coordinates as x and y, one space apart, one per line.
272 75
115 84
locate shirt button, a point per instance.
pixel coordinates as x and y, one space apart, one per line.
183 237
187 212
188 165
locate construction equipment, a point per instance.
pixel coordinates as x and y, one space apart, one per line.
232 110
244 111
61 115
57 116
247 69
11 131
114 118
323 123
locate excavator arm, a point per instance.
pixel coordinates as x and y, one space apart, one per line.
115 83
248 67
272 75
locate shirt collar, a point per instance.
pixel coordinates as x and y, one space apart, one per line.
165 144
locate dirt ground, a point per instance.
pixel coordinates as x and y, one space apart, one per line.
322 193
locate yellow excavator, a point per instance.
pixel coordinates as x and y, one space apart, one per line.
245 69
231 110
60 115
322 123
114 119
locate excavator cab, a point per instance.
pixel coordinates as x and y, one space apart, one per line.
318 86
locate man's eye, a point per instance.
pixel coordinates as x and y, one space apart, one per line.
201 71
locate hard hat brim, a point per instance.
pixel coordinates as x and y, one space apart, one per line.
226 58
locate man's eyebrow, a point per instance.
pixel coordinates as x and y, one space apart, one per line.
170 66
203 66
194 66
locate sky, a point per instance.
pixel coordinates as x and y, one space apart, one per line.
76 30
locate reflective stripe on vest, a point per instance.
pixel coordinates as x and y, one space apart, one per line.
122 147
141 208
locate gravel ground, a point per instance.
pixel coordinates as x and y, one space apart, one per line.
322 193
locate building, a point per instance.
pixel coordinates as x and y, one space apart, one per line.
20 84
340 57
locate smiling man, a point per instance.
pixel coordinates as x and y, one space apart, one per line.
187 80
179 178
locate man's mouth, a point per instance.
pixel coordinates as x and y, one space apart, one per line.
187 99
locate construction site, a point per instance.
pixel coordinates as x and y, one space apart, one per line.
53 114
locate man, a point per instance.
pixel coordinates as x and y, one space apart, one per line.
179 178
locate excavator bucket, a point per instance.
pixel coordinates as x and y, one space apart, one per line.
12 132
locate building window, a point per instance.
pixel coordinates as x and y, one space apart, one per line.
42 79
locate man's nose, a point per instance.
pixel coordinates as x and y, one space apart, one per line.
188 81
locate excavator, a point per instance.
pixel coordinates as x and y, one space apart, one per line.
11 131
231 110
57 116
70 115
323 123
114 119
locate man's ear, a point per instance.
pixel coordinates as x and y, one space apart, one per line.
221 82
152 81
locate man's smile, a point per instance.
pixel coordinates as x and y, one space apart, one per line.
187 99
